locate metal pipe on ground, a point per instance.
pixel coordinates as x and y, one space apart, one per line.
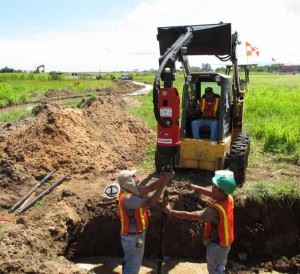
30 198
20 201
46 191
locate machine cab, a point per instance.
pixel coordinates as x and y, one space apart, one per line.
193 94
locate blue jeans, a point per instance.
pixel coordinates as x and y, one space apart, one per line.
211 123
133 255
216 258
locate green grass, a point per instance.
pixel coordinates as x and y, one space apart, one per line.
148 161
24 76
20 88
145 110
272 112
281 165
15 115
145 77
261 190
39 203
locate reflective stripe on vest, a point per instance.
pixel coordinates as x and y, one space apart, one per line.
143 222
140 216
226 224
209 110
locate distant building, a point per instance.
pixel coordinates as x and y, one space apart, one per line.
295 68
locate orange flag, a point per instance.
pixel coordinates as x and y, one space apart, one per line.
250 49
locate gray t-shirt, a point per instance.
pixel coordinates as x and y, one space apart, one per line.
210 215
132 202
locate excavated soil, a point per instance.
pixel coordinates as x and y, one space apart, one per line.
76 220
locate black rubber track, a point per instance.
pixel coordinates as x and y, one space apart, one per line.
238 157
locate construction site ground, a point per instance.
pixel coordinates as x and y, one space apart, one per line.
75 229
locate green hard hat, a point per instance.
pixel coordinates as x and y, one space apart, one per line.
226 183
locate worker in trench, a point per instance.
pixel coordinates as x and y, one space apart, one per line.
134 217
218 220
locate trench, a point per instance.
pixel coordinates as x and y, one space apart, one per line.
267 234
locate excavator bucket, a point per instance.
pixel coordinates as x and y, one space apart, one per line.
210 39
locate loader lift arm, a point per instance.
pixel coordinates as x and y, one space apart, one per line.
176 43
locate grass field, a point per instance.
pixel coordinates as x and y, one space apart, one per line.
18 88
272 112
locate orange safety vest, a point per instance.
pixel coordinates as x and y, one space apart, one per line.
209 109
226 225
141 217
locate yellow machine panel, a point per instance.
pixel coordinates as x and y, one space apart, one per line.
203 154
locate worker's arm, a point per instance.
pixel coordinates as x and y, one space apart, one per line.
160 186
200 189
208 215
185 215
144 190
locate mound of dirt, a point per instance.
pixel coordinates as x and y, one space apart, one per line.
84 143
90 145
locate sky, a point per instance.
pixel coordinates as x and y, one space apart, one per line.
114 35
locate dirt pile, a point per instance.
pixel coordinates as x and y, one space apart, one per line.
90 144
84 143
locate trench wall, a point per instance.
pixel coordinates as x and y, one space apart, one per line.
268 229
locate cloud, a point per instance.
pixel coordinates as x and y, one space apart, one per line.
130 43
